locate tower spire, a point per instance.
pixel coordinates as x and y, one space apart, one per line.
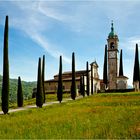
112 33
112 28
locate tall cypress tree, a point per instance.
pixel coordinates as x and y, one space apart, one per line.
136 75
73 86
87 74
121 65
105 67
19 93
39 94
83 86
60 83
91 79
5 82
43 78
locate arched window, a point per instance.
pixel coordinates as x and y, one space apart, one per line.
112 45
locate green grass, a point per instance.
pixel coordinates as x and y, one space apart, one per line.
102 116
49 98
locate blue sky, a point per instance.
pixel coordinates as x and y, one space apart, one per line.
57 28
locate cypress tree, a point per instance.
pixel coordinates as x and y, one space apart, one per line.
19 93
39 94
5 82
105 67
87 74
121 65
43 78
73 86
83 86
136 75
91 79
60 83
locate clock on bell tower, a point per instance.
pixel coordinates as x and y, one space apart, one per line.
112 59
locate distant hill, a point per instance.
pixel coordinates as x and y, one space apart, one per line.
27 88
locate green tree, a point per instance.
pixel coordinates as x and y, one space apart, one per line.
43 78
105 67
91 79
39 94
60 83
73 86
87 74
121 65
5 82
82 86
136 75
19 93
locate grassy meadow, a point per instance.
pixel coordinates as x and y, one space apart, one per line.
105 116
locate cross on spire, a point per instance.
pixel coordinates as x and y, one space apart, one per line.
112 28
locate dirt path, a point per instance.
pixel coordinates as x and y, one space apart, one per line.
34 106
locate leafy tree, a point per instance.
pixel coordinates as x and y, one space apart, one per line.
136 75
87 74
73 86
105 67
60 82
43 78
5 83
39 94
19 93
121 65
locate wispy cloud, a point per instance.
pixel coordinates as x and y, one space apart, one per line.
33 23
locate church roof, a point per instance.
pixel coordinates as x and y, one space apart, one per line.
94 63
112 33
70 72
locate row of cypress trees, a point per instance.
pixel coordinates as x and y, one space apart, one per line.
40 95
60 81
73 84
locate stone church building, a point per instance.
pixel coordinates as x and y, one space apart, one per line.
52 84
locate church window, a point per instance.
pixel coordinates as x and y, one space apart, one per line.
112 45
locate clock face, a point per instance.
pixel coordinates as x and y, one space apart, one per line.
112 54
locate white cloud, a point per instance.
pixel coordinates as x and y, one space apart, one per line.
32 22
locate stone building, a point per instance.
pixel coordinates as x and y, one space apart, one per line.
115 80
52 84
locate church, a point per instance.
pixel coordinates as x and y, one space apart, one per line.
52 84
116 78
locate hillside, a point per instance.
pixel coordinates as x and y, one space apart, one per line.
101 116
27 89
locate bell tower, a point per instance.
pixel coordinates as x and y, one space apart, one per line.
112 41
